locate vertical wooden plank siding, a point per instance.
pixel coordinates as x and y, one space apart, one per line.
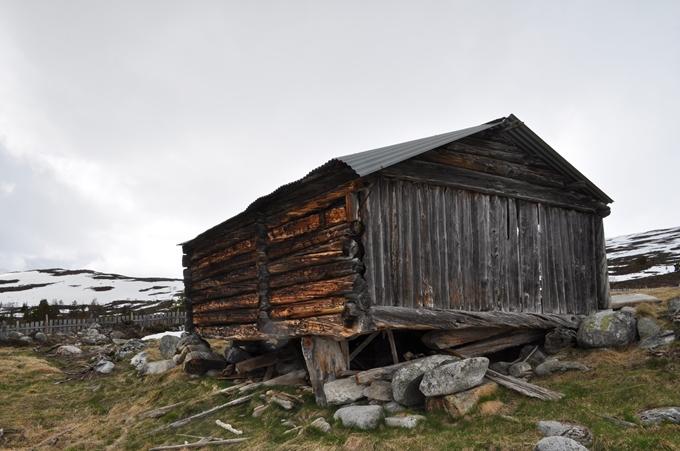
440 247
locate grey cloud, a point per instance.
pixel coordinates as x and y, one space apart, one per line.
151 121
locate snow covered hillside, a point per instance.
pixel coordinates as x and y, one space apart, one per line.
645 259
83 286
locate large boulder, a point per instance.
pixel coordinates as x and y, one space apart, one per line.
460 404
553 365
343 391
199 362
158 367
360 417
104 366
405 422
92 336
40 337
235 354
660 415
606 329
663 338
559 444
168 345
558 339
379 391
68 350
139 360
454 377
575 432
406 380
647 327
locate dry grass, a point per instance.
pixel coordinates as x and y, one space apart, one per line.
101 412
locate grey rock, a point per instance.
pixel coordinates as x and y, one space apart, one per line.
664 338
532 354
393 407
501 367
360 417
551 366
660 415
117 335
558 339
40 337
631 299
191 339
647 327
454 377
606 329
198 362
26 340
406 381
343 391
92 337
520 369
130 347
157 367
379 391
167 345
236 355
139 361
66 350
673 306
14 335
405 422
628 310
576 432
320 424
559 444
104 366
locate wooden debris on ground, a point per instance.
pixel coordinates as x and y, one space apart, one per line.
159 412
203 442
187 420
228 427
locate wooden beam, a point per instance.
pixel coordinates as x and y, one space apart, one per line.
362 345
495 344
386 317
442 339
325 361
393 346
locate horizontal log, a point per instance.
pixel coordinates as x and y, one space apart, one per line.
494 166
495 344
328 325
316 307
312 290
224 291
308 240
386 317
260 361
245 301
421 171
295 228
231 317
315 273
225 254
442 339
235 264
245 274
335 215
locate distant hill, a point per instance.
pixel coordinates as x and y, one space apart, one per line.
647 259
83 286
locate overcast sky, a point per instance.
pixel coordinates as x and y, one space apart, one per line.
129 127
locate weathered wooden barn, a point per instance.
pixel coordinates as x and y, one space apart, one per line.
485 226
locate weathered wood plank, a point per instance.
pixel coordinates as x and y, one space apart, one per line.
385 317
325 360
498 343
442 339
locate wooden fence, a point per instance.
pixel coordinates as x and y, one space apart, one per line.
73 325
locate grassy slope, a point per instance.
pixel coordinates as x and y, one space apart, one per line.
101 410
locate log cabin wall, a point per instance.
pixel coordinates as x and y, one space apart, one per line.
460 227
292 266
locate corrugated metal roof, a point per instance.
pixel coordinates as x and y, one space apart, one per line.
370 161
